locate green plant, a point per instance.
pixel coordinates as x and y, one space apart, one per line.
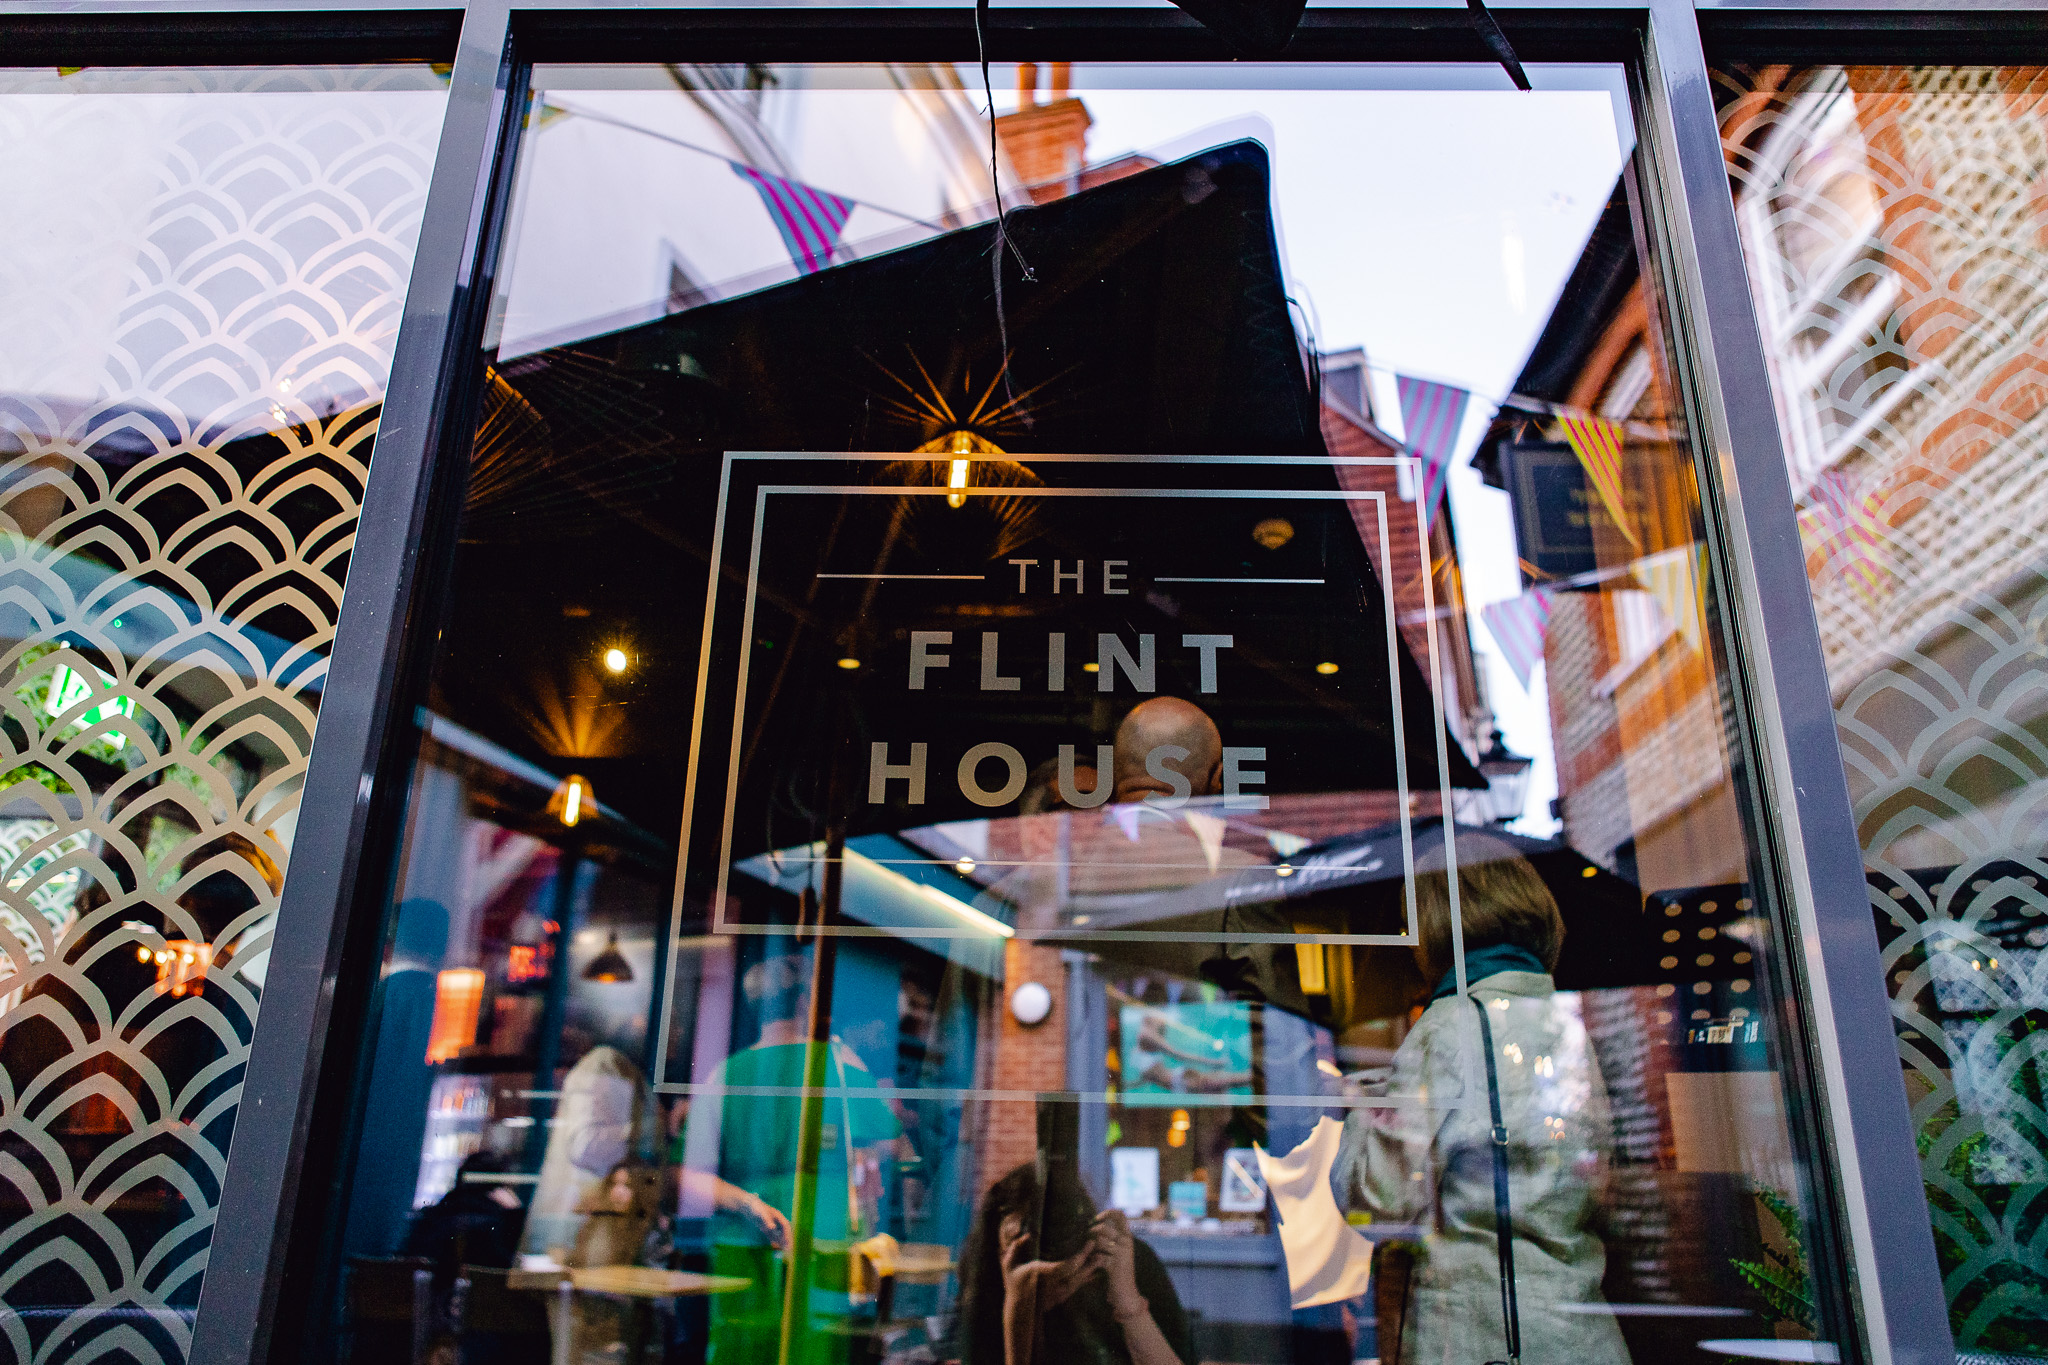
1781 1279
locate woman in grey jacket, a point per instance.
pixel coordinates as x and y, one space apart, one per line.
1428 1159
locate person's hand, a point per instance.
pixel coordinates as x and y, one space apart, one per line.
1041 1285
1118 1246
765 1216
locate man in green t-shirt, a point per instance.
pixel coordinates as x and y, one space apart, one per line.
759 1132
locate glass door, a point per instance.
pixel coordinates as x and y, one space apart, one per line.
1080 721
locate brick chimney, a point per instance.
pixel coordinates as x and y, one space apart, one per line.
1047 143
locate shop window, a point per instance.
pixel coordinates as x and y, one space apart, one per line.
968 691
201 274
1899 255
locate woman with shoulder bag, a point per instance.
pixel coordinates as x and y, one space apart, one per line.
1500 1153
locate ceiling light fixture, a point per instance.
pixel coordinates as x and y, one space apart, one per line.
609 966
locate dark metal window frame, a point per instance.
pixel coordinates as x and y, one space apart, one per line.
276 1202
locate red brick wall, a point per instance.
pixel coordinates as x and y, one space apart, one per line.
1046 144
1027 1059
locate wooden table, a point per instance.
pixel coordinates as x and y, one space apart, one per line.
923 1263
641 1283
632 1281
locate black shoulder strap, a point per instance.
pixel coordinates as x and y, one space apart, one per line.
1503 1214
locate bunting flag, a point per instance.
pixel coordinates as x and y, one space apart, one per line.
809 219
1432 414
1847 529
1597 443
1673 577
1208 831
1518 626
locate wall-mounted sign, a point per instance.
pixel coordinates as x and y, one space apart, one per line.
1556 508
1073 697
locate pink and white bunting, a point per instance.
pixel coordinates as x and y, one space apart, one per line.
809 219
1518 627
1432 415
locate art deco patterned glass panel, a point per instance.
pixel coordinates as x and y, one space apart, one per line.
1896 221
201 276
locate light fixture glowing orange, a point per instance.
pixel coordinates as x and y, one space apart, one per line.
458 1000
573 799
963 444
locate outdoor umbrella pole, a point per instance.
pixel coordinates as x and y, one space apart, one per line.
804 1215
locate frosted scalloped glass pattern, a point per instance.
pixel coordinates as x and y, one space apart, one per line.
1896 221
199 303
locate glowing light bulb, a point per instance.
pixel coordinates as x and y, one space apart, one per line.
615 659
957 478
1326 668
573 799
849 662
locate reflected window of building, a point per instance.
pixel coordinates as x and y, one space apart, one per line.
1893 224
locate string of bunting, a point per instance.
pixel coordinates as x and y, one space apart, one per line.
1520 626
1848 528
810 221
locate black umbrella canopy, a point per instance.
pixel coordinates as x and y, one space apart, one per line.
1608 941
1155 323
1354 884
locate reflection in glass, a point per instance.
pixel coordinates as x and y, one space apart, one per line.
1551 1100
1010 887
201 298
1893 226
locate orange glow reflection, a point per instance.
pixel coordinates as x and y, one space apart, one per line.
181 966
458 999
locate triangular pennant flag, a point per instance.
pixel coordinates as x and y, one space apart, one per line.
1208 831
1518 626
1597 443
1673 577
1432 414
1848 529
809 219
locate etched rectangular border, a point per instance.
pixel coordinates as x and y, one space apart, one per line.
1071 935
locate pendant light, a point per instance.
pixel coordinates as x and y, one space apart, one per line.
609 966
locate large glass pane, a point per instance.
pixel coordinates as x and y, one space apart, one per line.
970 763
1898 250
201 274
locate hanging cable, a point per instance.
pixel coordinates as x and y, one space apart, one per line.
1002 241
1497 43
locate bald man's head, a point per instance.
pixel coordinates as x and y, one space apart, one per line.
1169 724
